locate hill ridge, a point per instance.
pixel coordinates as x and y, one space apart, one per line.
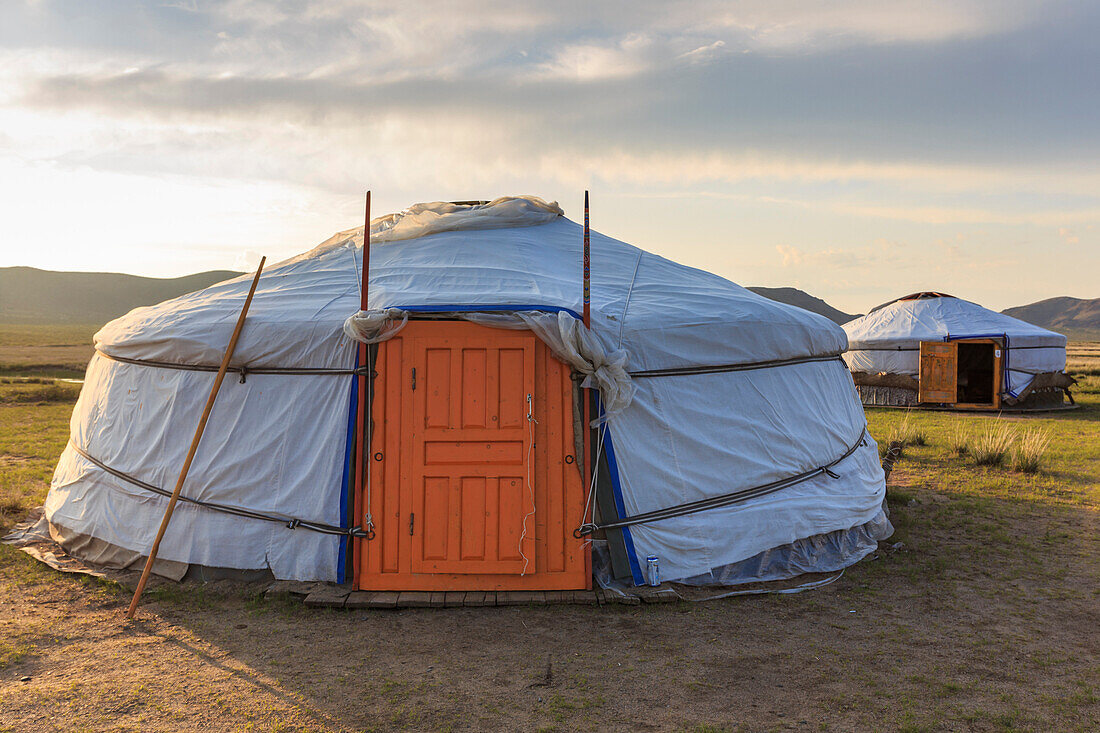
802 299
1077 318
29 295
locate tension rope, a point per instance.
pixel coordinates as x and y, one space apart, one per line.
244 371
289 522
744 367
734 497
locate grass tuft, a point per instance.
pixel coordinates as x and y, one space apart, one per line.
993 445
958 439
1028 452
907 433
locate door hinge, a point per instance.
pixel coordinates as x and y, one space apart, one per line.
412 519
414 377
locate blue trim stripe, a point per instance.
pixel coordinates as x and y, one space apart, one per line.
342 561
486 308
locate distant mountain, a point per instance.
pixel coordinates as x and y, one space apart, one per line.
29 295
1077 318
805 301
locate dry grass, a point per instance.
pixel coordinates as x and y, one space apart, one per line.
48 351
1083 359
993 445
958 439
1029 450
906 432
37 391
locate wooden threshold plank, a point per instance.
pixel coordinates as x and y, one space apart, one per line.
414 599
327 597
359 599
384 599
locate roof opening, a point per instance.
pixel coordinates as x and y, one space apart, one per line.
925 295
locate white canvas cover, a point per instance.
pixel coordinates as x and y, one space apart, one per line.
277 442
887 340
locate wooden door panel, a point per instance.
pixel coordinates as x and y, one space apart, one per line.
510 397
474 388
471 524
484 451
938 381
436 385
475 459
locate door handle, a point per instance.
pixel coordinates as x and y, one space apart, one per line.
412 518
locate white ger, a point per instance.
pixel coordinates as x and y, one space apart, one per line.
733 448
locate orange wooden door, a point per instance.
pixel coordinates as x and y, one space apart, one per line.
457 470
939 372
467 452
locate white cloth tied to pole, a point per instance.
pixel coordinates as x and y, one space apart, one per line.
372 327
565 335
578 347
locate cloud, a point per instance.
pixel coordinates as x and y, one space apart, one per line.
791 255
705 53
667 88
810 24
589 62
1068 236
390 38
889 118
247 260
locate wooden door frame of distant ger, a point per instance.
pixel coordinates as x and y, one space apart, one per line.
390 562
946 355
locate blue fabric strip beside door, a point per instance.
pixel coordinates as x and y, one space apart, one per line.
345 483
617 492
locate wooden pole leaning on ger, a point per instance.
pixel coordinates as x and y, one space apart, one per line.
194 443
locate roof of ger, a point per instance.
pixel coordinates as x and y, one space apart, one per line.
931 316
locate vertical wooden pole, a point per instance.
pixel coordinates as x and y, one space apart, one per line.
362 451
587 270
588 459
366 256
194 444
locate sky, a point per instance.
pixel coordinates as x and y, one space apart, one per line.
857 149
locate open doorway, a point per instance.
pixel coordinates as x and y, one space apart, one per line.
975 373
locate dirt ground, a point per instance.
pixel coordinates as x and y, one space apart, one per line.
901 642
987 617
